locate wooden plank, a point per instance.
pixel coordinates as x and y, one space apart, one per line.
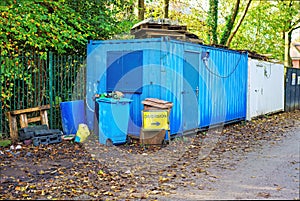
34 119
34 109
157 105
44 117
13 128
156 100
23 121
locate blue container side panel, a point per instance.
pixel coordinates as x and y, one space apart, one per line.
172 81
223 86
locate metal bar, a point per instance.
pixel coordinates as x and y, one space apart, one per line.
68 78
55 81
50 65
70 64
22 106
60 63
36 73
1 122
58 84
16 85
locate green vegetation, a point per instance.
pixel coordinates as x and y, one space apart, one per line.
66 26
58 26
5 143
257 26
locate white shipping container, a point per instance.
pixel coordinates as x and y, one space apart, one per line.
265 93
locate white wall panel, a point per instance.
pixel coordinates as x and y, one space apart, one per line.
265 88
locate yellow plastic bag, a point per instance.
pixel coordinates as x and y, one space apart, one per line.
82 133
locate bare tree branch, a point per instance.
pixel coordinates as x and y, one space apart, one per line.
229 23
238 24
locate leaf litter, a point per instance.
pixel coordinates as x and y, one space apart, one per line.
91 170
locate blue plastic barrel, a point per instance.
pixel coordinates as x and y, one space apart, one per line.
113 118
72 114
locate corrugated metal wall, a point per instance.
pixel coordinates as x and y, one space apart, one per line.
169 68
265 88
223 79
292 89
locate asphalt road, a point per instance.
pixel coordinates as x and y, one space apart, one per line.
269 172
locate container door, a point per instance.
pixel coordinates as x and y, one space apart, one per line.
259 90
190 90
292 89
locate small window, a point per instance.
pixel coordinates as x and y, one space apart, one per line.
125 71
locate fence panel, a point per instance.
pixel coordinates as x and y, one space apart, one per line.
66 81
28 81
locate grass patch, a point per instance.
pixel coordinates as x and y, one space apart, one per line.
5 143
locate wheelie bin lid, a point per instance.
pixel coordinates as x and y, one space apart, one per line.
113 100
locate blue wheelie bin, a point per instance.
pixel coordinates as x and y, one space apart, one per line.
113 117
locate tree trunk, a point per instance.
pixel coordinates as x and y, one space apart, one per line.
166 8
212 21
141 9
238 24
291 26
230 22
287 45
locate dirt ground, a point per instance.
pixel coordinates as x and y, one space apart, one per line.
258 159
270 171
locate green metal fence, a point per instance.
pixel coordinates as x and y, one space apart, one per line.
28 80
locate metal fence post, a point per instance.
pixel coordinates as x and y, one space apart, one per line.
50 65
1 117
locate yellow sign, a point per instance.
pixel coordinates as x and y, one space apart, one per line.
156 119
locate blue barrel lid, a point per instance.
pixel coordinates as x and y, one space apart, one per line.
113 100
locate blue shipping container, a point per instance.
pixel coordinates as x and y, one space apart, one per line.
207 85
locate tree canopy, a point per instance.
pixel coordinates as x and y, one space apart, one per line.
67 25
59 26
257 26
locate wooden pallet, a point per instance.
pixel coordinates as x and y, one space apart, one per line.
24 120
160 24
150 28
173 34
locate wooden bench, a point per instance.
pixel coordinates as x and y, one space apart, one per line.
24 120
